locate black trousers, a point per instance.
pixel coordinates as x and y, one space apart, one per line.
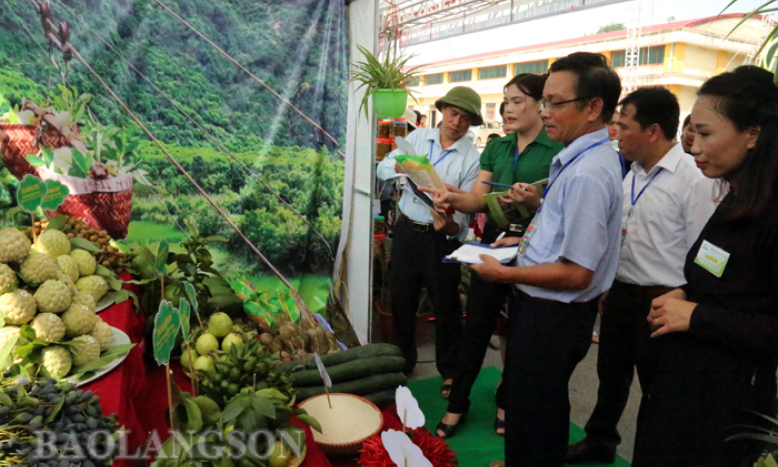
417 261
625 343
547 339
484 302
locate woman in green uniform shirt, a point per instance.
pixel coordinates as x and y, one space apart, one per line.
522 157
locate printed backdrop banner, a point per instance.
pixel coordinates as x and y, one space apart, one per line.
264 147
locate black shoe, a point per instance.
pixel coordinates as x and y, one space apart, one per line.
449 430
499 425
589 451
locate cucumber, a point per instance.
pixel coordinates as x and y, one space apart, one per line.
382 398
359 387
337 358
349 371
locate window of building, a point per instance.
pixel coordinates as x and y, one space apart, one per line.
459 76
648 56
491 111
617 59
538 67
492 72
437 78
412 82
433 117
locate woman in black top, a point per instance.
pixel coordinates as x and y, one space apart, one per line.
721 328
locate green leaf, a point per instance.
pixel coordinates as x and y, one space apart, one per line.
186 312
115 352
28 333
84 244
191 293
48 155
57 223
310 421
272 393
55 410
162 253
5 358
216 238
5 399
35 161
263 406
235 408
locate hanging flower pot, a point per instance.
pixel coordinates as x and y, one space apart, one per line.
390 103
16 141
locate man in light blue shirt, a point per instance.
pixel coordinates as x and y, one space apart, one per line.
567 259
422 237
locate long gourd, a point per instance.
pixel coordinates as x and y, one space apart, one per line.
371 384
337 358
349 371
382 398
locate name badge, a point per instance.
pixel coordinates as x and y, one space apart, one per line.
712 258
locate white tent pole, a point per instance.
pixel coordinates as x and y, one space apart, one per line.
356 239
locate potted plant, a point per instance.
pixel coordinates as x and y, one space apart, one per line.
384 81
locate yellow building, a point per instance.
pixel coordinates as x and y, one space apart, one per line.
679 56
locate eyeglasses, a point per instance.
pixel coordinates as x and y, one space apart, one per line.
545 105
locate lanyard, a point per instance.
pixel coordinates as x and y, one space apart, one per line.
632 195
516 160
548 187
432 145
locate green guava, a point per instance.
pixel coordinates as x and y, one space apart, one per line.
220 324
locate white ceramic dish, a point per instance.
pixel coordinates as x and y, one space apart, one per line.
104 306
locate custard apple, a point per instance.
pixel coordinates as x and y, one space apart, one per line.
15 245
104 335
53 297
56 361
19 307
85 261
38 268
48 327
84 350
65 279
53 242
9 332
8 280
68 266
83 298
95 286
79 320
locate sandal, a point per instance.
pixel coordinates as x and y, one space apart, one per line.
499 425
445 390
449 430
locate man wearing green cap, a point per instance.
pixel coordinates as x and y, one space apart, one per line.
422 237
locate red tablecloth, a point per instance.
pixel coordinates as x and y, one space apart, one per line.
120 389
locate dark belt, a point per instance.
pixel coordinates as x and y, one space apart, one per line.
525 296
417 226
645 290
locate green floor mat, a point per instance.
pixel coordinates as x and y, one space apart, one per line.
476 443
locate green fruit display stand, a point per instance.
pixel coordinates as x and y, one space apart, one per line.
390 103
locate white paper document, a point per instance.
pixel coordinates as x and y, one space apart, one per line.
469 253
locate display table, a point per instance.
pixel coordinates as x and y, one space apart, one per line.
120 389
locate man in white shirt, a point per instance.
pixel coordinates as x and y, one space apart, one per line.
423 237
667 202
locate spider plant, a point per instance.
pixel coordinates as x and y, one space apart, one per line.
768 6
767 436
374 74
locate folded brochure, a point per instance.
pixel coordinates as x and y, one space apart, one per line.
511 213
470 253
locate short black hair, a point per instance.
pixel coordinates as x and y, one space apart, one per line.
502 108
493 136
595 79
686 121
655 105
